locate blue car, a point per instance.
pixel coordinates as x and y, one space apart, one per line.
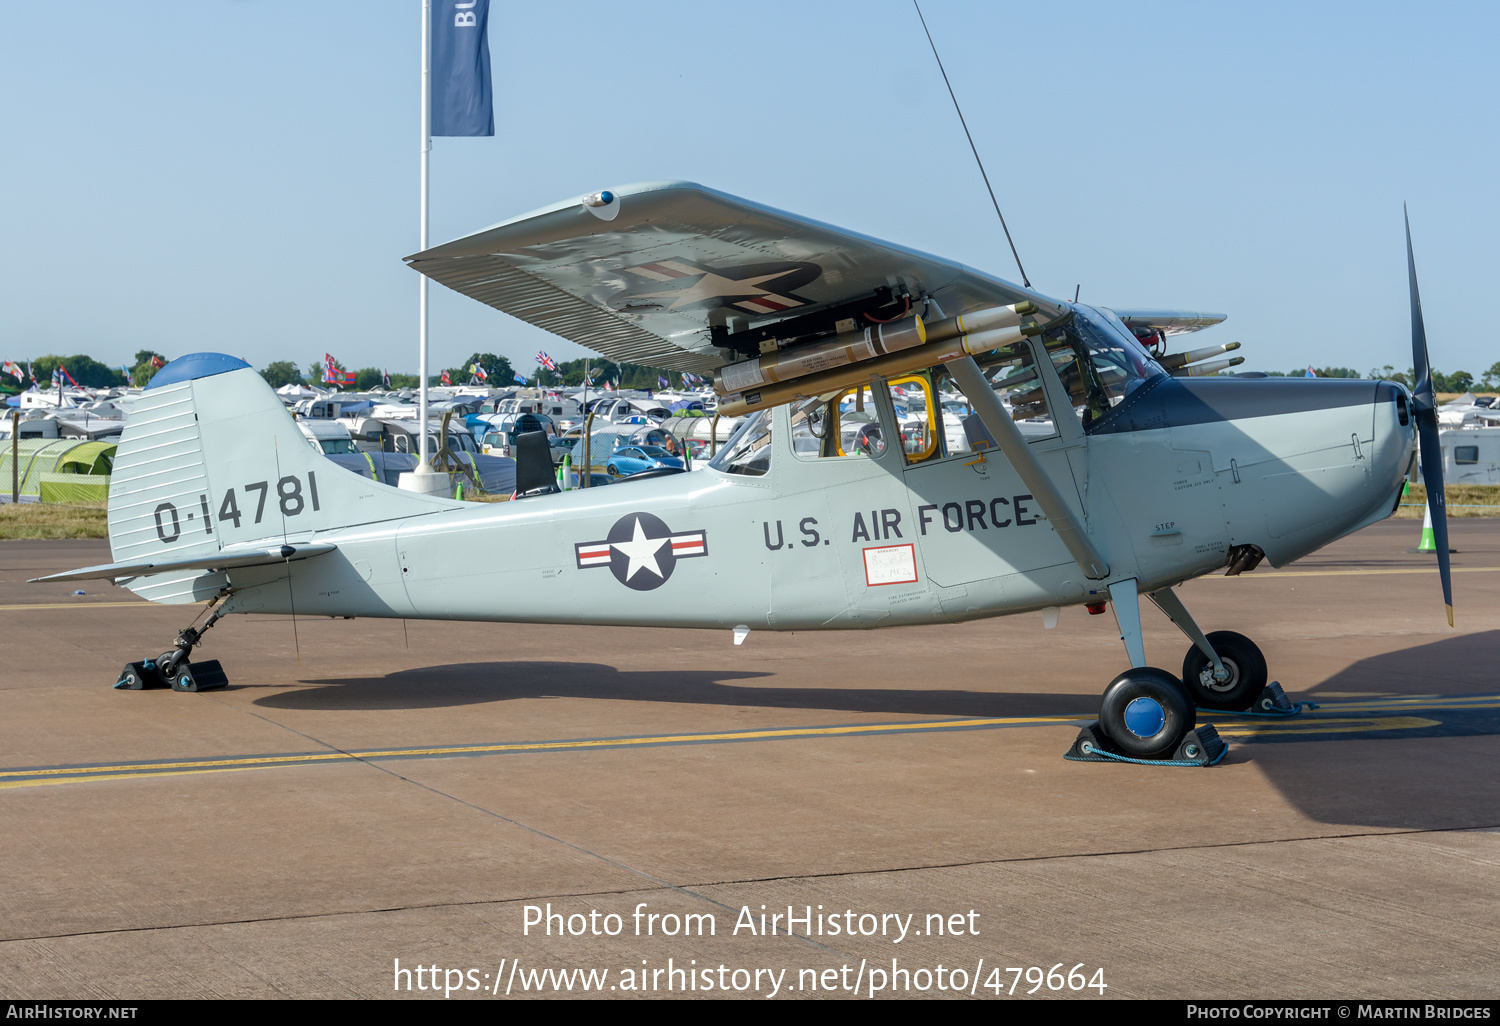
633 459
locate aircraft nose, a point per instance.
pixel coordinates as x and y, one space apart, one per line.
1333 465
1394 431
1393 447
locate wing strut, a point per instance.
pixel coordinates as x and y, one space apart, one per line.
993 416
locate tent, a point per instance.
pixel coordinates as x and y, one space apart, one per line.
69 470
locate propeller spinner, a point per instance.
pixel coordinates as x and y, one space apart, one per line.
1424 406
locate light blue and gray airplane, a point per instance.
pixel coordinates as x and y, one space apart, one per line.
1088 470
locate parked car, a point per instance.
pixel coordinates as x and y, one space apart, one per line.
633 459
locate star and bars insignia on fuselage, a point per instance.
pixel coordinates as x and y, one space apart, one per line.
755 288
641 550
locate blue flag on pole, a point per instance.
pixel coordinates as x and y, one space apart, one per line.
461 103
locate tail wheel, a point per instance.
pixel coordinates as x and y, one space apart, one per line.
1146 712
173 669
1247 673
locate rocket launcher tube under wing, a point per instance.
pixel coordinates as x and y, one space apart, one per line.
837 379
839 351
1172 361
981 320
1200 370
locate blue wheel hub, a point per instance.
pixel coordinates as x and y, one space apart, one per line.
1145 718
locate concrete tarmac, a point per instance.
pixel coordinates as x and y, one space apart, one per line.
369 800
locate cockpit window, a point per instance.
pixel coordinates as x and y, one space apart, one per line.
847 424
1013 369
1098 361
748 450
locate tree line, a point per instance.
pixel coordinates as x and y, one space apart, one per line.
1458 381
499 373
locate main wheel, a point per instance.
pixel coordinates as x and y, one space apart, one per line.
1247 673
1146 712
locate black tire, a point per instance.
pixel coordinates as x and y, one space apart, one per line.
1146 712
1247 673
612 470
172 667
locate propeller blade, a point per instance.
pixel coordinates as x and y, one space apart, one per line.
1424 407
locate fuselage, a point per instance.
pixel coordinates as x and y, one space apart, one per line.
1177 474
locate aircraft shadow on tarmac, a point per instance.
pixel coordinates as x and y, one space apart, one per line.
1438 779
478 683
1322 762
1462 664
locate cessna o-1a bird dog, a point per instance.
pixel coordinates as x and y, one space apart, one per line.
1099 476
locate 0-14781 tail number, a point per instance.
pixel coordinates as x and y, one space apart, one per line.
290 500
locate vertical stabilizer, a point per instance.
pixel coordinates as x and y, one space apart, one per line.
210 457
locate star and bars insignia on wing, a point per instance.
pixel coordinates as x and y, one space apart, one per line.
641 550
757 289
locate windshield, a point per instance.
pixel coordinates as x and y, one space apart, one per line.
1099 361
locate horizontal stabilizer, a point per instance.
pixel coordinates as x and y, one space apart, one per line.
224 559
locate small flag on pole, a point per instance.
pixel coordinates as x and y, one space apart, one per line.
1310 372
157 362
546 361
461 100
478 372
520 380
445 379
385 379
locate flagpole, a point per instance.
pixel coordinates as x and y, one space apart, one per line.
422 301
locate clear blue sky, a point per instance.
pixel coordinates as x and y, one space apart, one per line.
241 175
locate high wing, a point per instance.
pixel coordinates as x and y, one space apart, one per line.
1168 322
660 273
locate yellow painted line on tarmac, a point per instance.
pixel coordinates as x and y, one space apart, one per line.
77 774
1330 726
16 778
1487 702
1355 573
114 776
80 605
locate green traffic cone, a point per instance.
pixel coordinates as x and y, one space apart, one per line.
1429 544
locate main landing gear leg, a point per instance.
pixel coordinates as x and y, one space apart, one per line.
1222 670
1147 714
174 669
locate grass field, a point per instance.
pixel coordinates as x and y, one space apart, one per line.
35 520
1463 501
